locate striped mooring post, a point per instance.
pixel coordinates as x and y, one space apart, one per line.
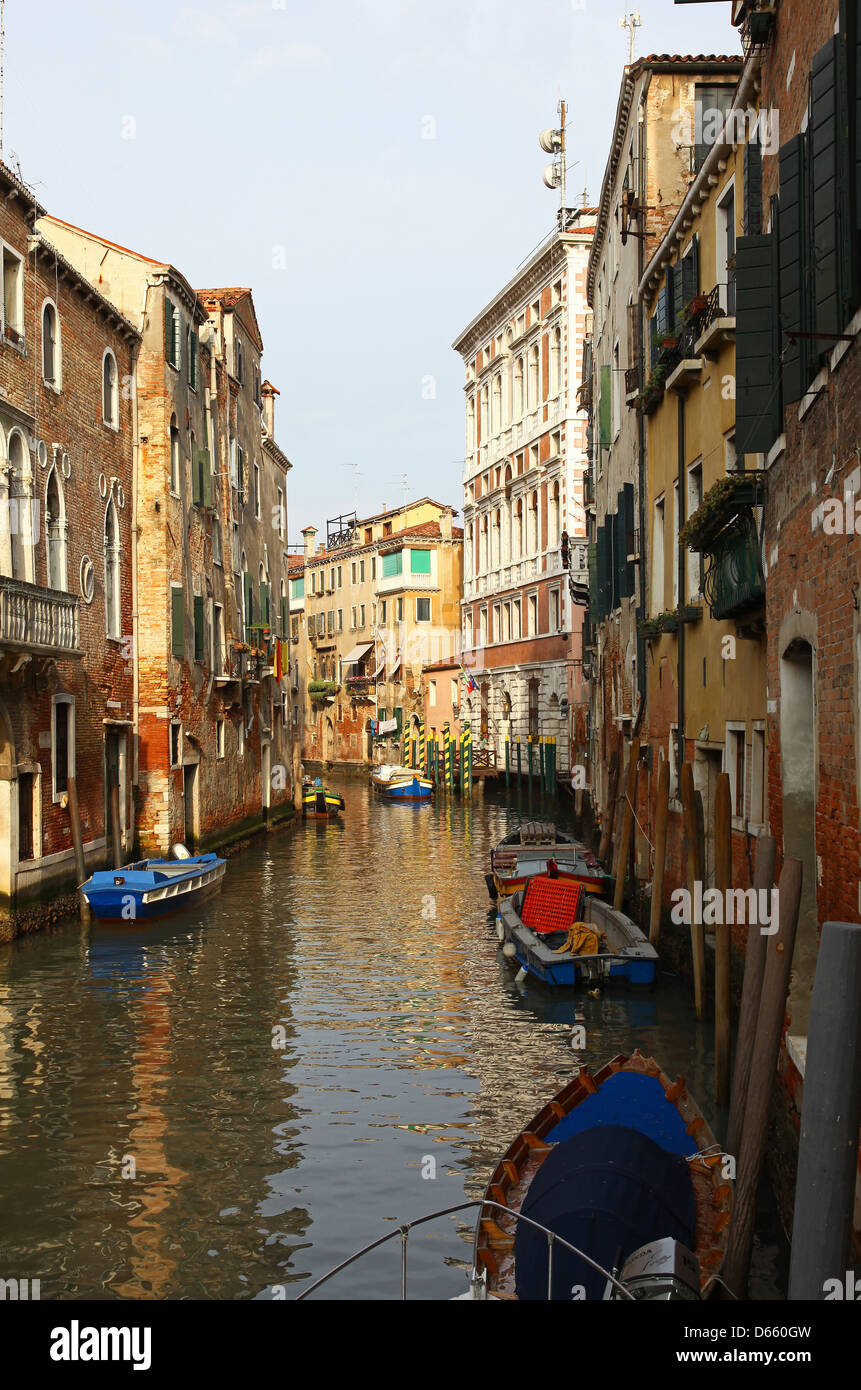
446 740
466 758
428 756
420 760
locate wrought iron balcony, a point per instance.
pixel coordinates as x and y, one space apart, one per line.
42 621
734 582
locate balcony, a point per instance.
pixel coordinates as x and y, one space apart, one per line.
717 324
44 622
395 582
734 582
360 687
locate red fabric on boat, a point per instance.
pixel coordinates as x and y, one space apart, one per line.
551 904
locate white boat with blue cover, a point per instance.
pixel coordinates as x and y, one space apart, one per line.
153 888
397 783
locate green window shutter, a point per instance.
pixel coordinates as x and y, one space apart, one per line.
793 258
194 363
604 584
205 478
626 510
199 634
752 188
399 715
654 345
593 582
662 313
676 276
605 408
690 276
757 407
828 135
177 623
420 561
248 602
393 564
297 587
169 331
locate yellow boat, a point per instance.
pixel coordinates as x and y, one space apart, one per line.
319 803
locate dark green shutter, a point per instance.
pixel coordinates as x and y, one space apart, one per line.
604 580
626 511
676 280
205 478
265 605
399 715
177 623
793 257
828 134
757 407
169 332
691 272
593 582
615 577
199 646
752 188
248 602
605 408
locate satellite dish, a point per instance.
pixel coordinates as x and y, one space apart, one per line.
550 141
551 176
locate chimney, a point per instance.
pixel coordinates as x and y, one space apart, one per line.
445 524
269 392
308 535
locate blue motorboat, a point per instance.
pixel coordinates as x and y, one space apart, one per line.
153 888
401 783
564 936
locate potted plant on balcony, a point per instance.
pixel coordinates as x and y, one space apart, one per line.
323 690
719 505
650 628
695 307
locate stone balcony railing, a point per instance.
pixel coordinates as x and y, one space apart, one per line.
394 582
42 621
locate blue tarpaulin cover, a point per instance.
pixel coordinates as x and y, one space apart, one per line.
632 1099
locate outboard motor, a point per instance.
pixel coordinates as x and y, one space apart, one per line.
663 1271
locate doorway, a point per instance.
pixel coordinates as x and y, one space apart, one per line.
190 791
798 776
708 762
116 779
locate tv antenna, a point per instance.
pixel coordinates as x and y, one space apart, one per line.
631 22
356 476
553 142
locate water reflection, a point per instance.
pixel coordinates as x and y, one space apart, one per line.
331 1046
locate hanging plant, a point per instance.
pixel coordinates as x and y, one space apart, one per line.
656 627
719 505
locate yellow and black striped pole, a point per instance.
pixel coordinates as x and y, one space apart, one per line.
446 743
420 763
466 760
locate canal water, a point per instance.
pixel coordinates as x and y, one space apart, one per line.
228 1104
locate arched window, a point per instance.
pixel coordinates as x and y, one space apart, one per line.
556 362
496 420
110 391
55 528
470 424
113 615
553 519
533 523
518 527
532 383
21 509
51 355
519 402
174 456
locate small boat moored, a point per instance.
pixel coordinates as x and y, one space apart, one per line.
622 1166
401 783
529 848
153 888
563 935
319 803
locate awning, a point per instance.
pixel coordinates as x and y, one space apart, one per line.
357 654
395 668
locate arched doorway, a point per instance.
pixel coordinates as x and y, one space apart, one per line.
798 776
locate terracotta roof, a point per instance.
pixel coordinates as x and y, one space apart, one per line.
295 562
430 529
229 297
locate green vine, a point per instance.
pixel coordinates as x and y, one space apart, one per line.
719 504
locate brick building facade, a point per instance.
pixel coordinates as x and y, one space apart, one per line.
67 555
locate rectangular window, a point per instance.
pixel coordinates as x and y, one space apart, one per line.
373 567
361 571
175 744
420 561
454 693
193 359
172 344
25 815
497 622
281 514
199 628
393 564
515 620
710 110
219 738
353 618
216 542
218 648
432 693
240 737
362 616
735 766
400 617
657 594
353 573
423 610
532 628
13 317
297 587
63 744
383 605
177 622
340 620
695 559
554 610
340 577
256 495
757 777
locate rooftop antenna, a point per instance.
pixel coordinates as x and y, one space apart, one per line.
553 142
631 22
356 476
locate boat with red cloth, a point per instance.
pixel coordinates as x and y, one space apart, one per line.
529 849
564 935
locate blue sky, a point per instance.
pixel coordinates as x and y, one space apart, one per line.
283 144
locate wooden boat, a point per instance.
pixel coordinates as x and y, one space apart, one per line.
536 927
319 803
529 848
622 1165
153 888
398 783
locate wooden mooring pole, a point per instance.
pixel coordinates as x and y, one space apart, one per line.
661 811
723 938
627 822
751 992
763 1072
610 808
78 844
693 875
830 1118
